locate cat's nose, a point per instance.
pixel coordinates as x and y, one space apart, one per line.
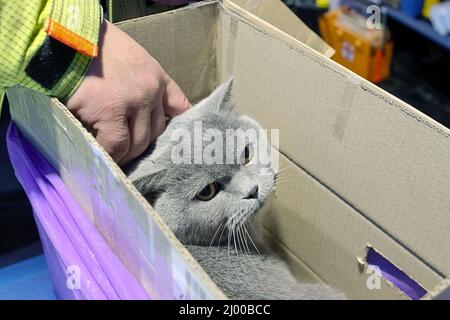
253 193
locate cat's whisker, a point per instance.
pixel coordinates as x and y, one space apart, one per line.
220 238
249 256
240 241
283 181
278 181
282 178
284 172
247 250
229 239
250 237
237 251
284 169
256 271
244 242
283 175
217 231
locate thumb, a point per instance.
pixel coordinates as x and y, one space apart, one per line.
174 100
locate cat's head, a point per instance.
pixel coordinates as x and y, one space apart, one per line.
209 173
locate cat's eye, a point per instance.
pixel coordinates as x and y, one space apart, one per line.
247 155
208 192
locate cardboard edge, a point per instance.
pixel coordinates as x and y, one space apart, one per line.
327 50
170 12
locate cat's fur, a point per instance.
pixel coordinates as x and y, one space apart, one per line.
222 233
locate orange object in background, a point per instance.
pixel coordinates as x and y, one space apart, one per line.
364 51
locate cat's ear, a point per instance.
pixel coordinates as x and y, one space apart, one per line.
149 164
220 99
224 104
149 183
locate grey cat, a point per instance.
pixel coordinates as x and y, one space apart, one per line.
213 208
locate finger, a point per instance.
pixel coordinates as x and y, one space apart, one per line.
140 133
158 123
114 137
174 100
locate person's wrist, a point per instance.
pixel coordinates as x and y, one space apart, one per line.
92 64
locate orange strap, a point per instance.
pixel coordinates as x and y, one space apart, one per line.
71 39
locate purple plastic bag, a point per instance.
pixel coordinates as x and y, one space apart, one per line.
80 261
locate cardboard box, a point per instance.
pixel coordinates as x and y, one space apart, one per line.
369 174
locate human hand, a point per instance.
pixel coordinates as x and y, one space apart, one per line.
125 96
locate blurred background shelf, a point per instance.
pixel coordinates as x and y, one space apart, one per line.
420 26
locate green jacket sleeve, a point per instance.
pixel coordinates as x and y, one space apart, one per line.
42 42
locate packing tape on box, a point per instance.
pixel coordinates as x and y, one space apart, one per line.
347 100
232 35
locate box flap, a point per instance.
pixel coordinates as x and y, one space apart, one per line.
277 14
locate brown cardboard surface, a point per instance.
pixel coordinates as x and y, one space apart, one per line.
378 154
365 168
